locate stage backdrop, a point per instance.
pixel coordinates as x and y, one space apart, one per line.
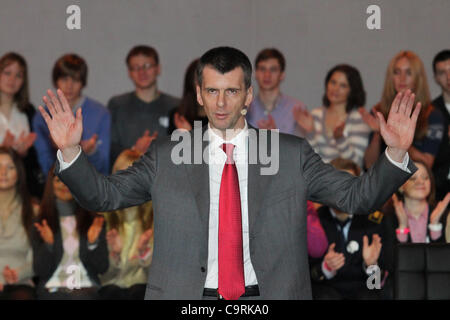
314 35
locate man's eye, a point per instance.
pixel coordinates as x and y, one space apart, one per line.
232 91
211 90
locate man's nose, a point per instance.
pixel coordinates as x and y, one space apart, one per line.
221 99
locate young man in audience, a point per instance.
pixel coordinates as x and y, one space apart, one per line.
441 167
272 109
70 75
140 116
355 250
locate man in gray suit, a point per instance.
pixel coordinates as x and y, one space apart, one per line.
188 199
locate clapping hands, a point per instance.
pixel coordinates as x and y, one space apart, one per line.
21 144
45 231
334 260
95 229
10 275
143 143
371 252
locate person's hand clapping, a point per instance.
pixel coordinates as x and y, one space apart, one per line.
95 229
338 131
440 209
144 240
334 260
45 231
24 142
400 212
303 118
65 128
268 124
144 142
371 252
90 145
114 241
181 122
8 140
370 119
10 275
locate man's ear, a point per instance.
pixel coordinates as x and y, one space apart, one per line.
283 74
249 97
199 96
158 69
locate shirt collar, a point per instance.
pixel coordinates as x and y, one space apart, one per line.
334 215
239 140
423 215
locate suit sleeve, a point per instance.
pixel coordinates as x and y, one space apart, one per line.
99 193
341 190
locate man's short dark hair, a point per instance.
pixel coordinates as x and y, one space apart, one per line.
271 53
142 50
225 59
70 65
441 56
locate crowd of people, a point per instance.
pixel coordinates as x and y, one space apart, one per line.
51 248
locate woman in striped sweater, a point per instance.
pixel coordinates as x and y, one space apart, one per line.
337 129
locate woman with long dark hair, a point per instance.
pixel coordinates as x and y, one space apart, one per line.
16 114
16 214
337 129
69 246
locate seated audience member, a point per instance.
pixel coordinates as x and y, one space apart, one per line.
342 272
69 246
16 214
70 76
337 129
130 243
317 239
418 220
272 109
16 114
441 166
406 72
139 116
189 110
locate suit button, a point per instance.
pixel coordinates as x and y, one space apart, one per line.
202 269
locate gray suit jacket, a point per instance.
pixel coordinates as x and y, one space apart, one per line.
276 208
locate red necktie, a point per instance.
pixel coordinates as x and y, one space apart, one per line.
231 265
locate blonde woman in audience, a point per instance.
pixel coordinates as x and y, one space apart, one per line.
16 114
130 242
337 129
406 71
418 220
69 246
16 214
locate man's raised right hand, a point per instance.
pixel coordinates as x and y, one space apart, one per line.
65 128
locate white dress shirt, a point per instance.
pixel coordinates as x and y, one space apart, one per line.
217 159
